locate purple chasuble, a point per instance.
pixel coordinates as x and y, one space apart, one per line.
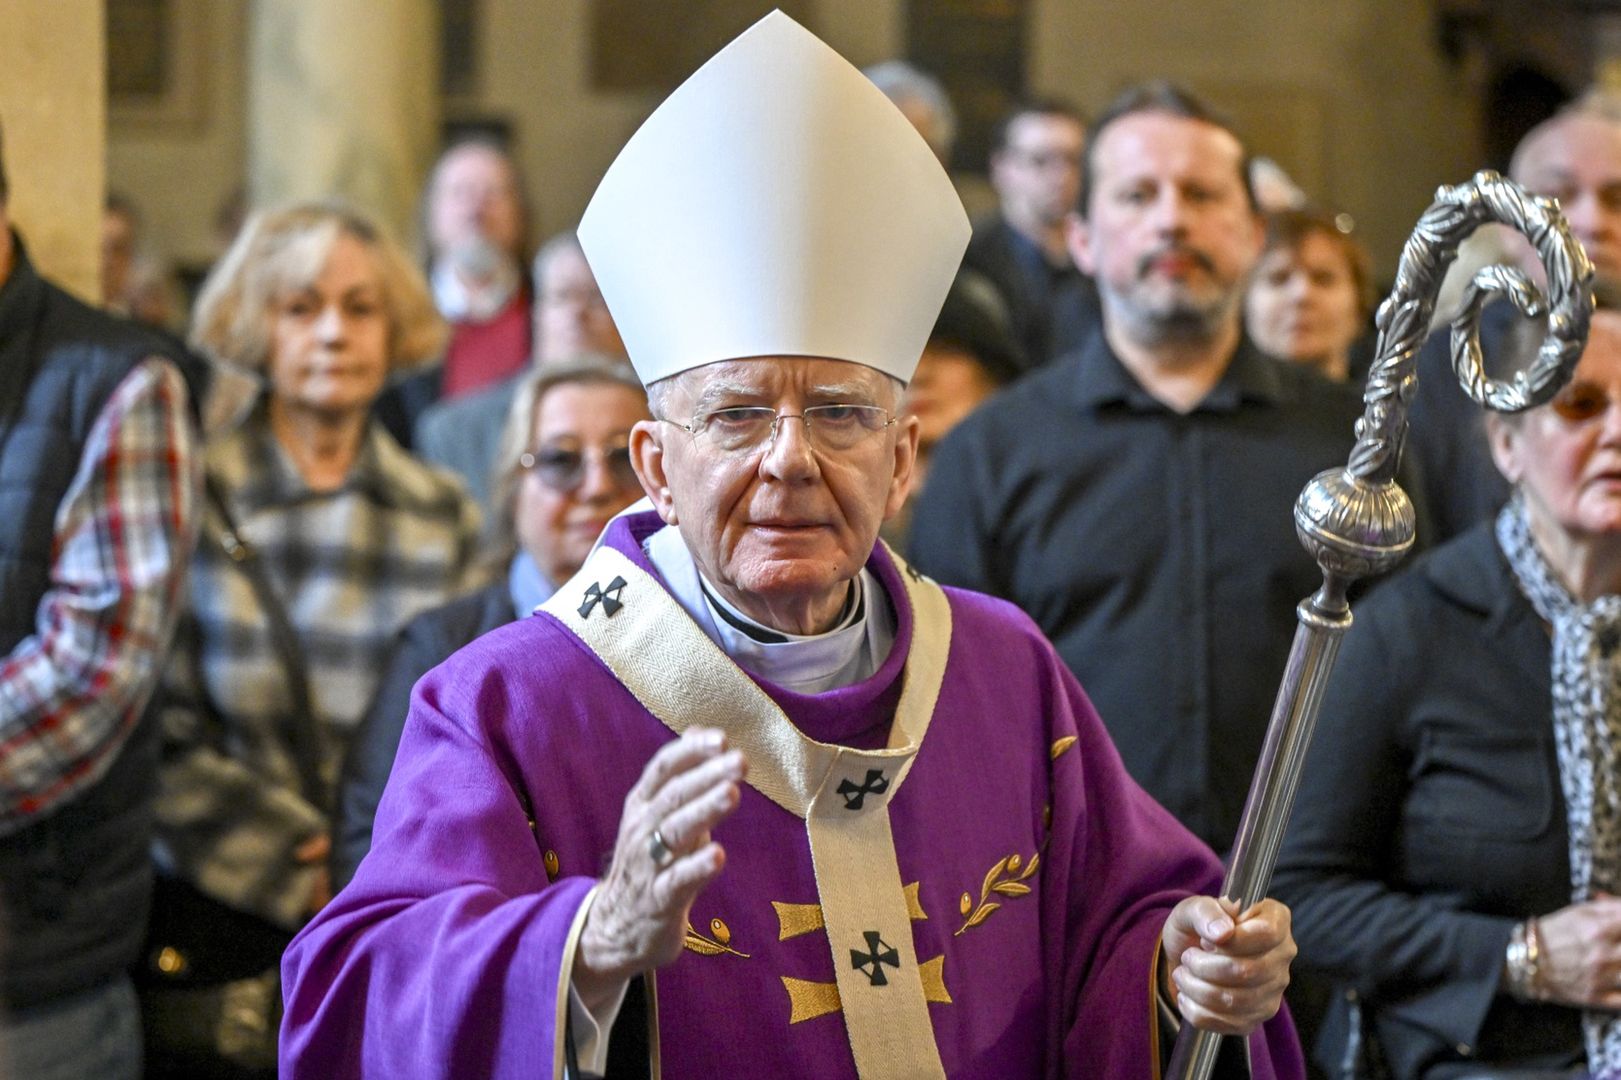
1042 875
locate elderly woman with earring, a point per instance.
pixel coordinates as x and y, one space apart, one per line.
566 471
320 538
1455 856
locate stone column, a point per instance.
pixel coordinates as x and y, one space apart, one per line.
343 100
53 109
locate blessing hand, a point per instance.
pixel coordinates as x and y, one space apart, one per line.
1225 972
662 860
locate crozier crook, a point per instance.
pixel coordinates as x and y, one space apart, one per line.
1357 521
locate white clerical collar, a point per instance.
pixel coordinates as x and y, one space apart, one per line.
806 664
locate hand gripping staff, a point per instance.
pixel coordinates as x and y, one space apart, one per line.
1357 521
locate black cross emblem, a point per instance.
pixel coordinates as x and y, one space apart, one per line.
608 596
913 572
877 955
854 795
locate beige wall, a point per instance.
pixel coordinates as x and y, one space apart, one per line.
1349 96
51 105
179 168
537 73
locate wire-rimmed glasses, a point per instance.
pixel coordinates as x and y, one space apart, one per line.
741 428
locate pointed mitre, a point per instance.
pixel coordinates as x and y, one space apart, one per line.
776 204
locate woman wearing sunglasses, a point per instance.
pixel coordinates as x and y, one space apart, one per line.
1455 860
564 470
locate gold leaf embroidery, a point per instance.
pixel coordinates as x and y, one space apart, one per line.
990 878
703 946
1061 745
995 882
981 915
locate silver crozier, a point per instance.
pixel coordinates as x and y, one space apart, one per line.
1357 521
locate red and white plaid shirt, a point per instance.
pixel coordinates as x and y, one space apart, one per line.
71 691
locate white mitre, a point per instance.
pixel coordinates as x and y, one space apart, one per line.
776 204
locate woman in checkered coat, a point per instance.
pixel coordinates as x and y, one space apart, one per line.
322 537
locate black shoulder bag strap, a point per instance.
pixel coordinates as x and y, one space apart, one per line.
301 733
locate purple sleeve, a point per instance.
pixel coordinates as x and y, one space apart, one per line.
447 955
1129 862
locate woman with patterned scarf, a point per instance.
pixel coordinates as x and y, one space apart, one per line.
1455 859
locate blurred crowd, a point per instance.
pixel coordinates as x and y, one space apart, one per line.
239 526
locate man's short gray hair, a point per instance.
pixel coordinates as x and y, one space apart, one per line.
1599 103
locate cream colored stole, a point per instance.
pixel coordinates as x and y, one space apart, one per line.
643 635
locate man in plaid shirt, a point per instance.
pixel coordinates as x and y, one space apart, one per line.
97 503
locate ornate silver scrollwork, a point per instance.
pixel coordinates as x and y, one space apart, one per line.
1356 521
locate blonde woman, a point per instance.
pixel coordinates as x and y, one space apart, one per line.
321 538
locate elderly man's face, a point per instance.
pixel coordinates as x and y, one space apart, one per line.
783 527
1169 233
1577 160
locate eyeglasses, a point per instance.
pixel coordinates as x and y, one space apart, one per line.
832 428
1580 402
564 470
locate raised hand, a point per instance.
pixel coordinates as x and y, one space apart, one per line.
662 860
